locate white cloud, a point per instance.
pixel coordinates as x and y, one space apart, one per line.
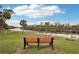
13 23
37 11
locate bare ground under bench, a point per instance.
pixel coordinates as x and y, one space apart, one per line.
32 49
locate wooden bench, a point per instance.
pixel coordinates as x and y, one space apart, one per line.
38 40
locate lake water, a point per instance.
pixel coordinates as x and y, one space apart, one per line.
74 36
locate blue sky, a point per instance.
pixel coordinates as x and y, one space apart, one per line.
62 13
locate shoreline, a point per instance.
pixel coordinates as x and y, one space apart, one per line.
69 36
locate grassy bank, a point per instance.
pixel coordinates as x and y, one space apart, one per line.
11 41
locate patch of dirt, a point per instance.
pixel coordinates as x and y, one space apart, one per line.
44 50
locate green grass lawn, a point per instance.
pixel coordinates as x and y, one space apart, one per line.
10 42
66 46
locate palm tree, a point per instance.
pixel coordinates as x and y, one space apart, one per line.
23 23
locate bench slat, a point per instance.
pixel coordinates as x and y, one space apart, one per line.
42 39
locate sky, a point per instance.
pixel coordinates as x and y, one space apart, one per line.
36 13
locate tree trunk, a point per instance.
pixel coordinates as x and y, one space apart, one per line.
1 27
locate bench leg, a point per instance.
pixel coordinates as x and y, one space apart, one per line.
52 42
24 43
38 42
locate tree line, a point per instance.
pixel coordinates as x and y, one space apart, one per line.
47 27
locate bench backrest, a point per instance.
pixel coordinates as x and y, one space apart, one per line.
42 39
